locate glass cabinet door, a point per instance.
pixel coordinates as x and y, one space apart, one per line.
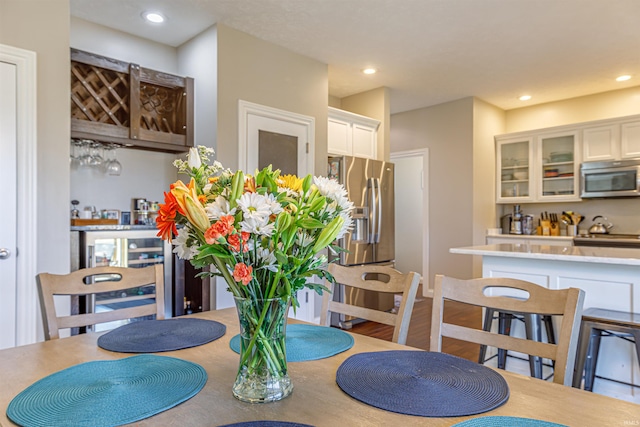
514 167
558 167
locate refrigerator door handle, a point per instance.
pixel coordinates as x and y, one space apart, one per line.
379 211
371 203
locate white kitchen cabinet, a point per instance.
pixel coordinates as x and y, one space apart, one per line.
558 169
539 166
630 139
350 134
611 140
513 176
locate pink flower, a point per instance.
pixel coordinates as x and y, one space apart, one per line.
220 228
234 241
242 273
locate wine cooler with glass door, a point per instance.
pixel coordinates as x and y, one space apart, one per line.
135 248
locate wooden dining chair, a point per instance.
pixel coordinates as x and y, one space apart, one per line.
538 300
375 278
100 280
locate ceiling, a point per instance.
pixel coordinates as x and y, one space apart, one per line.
427 51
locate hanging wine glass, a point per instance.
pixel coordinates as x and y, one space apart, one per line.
74 154
83 152
95 154
113 166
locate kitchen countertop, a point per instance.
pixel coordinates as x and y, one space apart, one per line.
111 227
531 236
620 256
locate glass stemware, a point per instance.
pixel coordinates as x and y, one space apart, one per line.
113 166
95 154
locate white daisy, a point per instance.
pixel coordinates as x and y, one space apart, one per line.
219 208
274 205
330 188
268 259
303 239
257 225
255 207
182 249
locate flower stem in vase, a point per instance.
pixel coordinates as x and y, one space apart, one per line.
262 372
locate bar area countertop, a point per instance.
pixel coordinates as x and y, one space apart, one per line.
610 278
119 227
620 256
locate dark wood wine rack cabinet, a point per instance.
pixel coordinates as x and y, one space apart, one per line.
126 104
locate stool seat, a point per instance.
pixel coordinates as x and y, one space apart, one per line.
597 322
532 323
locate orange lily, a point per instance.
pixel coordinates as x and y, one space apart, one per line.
189 203
166 219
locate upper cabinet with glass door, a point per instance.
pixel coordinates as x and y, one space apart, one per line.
514 167
558 167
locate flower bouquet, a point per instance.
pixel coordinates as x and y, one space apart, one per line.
263 234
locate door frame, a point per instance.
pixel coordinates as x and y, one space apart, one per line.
247 109
427 288
26 167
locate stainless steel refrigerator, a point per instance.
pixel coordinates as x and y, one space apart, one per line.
370 186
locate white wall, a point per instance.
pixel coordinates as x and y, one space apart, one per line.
488 121
21 25
198 58
260 72
447 131
606 105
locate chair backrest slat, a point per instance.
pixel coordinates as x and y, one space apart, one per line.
375 278
92 281
559 302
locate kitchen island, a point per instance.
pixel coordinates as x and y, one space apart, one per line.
610 278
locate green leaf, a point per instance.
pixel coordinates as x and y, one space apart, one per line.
306 183
310 223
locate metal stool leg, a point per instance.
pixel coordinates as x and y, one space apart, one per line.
636 337
551 334
486 326
592 358
504 328
534 332
581 357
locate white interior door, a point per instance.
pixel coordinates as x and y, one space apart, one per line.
285 140
19 316
411 215
271 136
8 231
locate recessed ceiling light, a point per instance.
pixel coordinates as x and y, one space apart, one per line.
154 17
525 97
369 71
623 78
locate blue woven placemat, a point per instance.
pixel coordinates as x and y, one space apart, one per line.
500 421
309 342
107 392
422 383
153 336
266 424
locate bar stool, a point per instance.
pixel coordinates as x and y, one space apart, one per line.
533 330
596 323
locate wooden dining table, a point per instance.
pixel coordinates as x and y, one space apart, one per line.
316 399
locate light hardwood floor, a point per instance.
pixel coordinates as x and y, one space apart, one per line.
420 327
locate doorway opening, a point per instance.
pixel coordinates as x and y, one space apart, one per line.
412 214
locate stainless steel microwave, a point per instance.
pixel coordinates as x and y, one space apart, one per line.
617 178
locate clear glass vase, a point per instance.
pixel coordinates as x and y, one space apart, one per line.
262 373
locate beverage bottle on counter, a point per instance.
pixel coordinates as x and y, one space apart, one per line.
516 222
